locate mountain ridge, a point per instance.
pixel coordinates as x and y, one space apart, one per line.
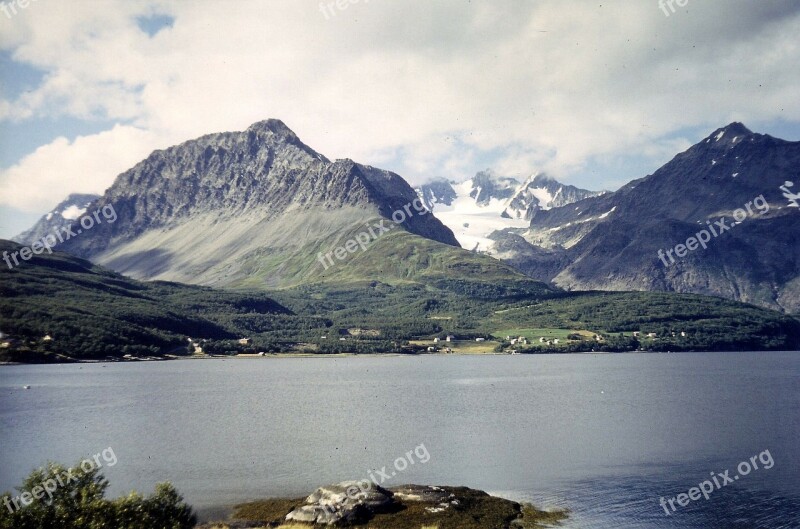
196 211
611 242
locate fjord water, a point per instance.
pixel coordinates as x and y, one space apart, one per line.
604 435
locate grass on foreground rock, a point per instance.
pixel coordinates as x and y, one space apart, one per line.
475 510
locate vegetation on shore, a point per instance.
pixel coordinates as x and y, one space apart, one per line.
79 502
61 308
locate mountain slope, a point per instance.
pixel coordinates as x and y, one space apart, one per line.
199 211
612 242
89 312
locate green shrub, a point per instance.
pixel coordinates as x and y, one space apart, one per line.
80 503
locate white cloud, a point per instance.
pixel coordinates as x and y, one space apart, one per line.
86 165
546 85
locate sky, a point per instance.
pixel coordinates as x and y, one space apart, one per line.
593 93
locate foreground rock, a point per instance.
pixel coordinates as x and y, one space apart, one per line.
345 503
404 507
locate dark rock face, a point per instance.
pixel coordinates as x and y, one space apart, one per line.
345 503
611 242
437 192
486 186
530 197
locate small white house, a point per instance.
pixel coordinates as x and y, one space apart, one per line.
436 340
244 341
480 339
47 338
555 340
450 338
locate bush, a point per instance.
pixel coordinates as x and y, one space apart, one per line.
81 504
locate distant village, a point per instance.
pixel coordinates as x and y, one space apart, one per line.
440 344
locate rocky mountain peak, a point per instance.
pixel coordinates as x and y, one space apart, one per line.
272 125
259 175
611 241
542 179
64 214
726 137
736 128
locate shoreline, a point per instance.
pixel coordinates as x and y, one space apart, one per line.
277 356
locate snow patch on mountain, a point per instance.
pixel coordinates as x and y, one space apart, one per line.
488 202
62 216
72 212
472 222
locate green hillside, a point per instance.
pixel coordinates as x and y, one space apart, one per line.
393 257
431 290
90 312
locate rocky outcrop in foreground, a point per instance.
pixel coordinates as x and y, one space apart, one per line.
408 506
345 503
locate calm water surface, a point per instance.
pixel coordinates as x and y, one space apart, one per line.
605 435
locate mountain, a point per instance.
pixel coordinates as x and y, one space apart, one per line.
317 256
62 216
541 193
488 202
221 208
626 240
